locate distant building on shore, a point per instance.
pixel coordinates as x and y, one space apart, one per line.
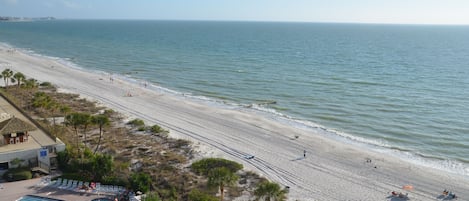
23 19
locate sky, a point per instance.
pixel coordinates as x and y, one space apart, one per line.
355 11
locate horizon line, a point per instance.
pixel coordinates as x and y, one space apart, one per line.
268 21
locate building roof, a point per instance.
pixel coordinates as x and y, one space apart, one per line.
15 125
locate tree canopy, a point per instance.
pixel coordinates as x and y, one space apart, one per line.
204 166
269 191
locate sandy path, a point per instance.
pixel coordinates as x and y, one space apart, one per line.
331 171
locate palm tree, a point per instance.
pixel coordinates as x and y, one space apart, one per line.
19 78
221 177
6 75
101 120
30 83
76 120
53 107
269 191
86 121
42 100
64 110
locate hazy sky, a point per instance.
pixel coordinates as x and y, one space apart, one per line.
364 11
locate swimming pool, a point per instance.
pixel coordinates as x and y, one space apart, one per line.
36 198
102 199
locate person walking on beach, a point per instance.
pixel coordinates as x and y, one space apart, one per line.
304 153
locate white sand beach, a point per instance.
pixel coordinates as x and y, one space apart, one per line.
331 170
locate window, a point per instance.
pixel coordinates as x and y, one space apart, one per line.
4 166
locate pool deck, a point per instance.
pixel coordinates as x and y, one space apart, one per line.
15 190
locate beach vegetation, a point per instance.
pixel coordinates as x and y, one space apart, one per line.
31 83
170 194
41 100
269 191
221 177
220 172
204 166
113 153
156 129
136 123
16 162
93 167
153 196
7 76
101 120
45 84
19 78
140 181
17 174
197 195
76 120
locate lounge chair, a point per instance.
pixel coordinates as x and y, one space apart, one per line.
64 184
121 189
73 185
107 188
79 185
115 189
98 187
56 183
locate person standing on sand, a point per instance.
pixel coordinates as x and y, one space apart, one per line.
304 153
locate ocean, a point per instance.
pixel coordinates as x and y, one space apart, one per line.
397 89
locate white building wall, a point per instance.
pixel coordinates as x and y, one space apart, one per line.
24 155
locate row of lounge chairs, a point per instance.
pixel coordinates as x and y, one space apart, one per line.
80 186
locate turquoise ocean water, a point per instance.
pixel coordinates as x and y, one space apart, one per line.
398 89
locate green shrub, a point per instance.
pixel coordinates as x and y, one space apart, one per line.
45 84
151 197
205 165
136 123
169 194
140 182
17 174
115 180
77 176
109 112
157 129
141 128
196 195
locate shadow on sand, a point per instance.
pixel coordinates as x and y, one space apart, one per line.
299 158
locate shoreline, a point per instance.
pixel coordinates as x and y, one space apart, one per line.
451 165
332 170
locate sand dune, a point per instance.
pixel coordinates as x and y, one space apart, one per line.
332 170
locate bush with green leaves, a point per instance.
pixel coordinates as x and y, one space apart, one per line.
140 182
45 84
151 197
94 166
270 191
17 174
112 179
136 123
157 129
204 166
